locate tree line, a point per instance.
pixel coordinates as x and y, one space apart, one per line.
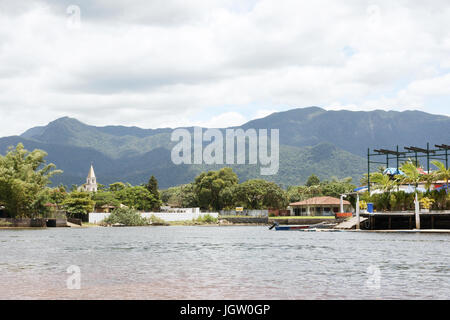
25 178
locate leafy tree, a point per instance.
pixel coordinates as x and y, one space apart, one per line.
24 176
78 204
274 197
57 195
227 197
313 180
208 187
260 194
337 187
105 198
138 198
293 194
180 196
117 186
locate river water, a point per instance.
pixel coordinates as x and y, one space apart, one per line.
222 263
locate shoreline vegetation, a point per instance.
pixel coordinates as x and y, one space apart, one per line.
25 194
206 220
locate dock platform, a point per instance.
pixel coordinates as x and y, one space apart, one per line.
435 220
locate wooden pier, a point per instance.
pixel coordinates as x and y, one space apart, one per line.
405 220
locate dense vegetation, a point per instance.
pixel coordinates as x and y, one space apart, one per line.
24 191
23 179
25 176
393 199
216 190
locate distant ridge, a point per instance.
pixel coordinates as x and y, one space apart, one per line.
313 140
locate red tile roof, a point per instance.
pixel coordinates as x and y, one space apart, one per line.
320 201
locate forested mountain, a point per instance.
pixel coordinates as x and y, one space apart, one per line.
312 140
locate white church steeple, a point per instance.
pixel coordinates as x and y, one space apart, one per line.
91 181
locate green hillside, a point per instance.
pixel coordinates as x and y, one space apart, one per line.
312 140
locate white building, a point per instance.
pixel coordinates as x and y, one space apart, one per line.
91 182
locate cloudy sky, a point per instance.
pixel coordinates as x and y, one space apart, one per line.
168 63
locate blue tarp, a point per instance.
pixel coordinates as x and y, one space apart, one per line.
360 188
393 172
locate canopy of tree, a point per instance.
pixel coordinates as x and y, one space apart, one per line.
24 176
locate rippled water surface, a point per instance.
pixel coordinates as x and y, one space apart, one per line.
223 262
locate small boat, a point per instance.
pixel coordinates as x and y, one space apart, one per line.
313 227
289 228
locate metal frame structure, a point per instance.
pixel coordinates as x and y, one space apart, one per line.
441 153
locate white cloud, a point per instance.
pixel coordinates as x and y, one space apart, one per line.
162 63
224 120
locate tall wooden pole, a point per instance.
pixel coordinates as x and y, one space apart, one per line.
357 212
368 170
417 211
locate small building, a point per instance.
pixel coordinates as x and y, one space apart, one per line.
319 206
91 182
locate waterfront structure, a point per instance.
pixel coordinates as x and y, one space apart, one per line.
319 206
91 182
385 157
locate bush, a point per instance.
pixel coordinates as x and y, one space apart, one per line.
207 218
5 223
126 216
157 221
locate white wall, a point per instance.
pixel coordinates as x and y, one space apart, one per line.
170 216
97 217
180 210
250 213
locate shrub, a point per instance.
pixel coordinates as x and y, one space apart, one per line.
427 203
156 221
5 223
126 216
207 218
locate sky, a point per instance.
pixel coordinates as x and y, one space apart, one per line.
217 63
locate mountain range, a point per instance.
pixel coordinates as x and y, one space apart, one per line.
312 140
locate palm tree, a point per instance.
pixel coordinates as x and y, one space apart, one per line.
442 173
382 181
413 176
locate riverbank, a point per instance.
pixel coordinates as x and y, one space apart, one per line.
220 221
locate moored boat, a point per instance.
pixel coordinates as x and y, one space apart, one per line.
289 228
